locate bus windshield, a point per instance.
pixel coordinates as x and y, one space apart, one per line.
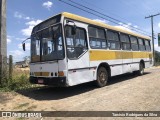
47 45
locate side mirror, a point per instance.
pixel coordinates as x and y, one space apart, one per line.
74 30
24 47
23 44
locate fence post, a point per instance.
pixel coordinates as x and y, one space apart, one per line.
10 66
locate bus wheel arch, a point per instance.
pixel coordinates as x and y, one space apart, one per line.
105 65
142 62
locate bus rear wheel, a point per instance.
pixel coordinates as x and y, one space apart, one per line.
102 77
141 69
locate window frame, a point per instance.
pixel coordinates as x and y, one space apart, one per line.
134 43
120 46
56 45
98 39
141 45
125 42
40 35
74 38
147 45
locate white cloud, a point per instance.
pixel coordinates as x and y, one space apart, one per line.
27 18
18 15
135 26
17 53
157 47
124 28
47 5
8 40
33 23
27 31
129 24
158 24
102 21
20 39
21 16
121 25
27 46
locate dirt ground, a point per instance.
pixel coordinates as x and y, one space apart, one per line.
123 93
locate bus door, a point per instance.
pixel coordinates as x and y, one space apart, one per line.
77 52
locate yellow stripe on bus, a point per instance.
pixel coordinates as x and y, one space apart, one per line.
112 55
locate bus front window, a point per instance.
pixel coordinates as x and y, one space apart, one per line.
35 48
51 44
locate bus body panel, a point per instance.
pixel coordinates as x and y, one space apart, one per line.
79 68
49 68
48 73
131 60
127 63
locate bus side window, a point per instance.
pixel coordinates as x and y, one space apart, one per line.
147 44
69 42
134 43
113 40
125 42
80 42
97 38
141 44
76 44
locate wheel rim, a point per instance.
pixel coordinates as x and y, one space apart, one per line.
102 77
141 69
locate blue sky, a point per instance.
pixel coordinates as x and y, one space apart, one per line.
22 15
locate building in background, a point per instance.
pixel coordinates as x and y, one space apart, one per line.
22 64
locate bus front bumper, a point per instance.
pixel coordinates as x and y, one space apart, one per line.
53 81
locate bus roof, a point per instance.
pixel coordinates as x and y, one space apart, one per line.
89 21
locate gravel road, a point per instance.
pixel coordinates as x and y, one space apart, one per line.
123 93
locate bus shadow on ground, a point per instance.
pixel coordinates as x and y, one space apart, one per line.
56 93
123 77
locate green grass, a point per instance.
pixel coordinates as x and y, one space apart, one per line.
19 81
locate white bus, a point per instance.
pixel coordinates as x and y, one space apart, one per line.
68 50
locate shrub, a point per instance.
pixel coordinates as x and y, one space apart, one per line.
17 82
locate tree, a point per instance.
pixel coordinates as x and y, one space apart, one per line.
157 58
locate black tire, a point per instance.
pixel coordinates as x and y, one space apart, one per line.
141 69
102 77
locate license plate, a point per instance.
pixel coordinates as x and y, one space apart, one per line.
40 81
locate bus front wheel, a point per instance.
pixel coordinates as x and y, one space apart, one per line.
102 77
